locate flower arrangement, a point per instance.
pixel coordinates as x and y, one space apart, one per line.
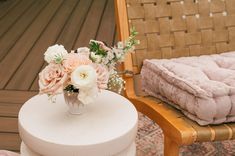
86 70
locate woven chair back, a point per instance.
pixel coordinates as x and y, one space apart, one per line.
176 28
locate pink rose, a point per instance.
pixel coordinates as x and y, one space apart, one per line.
102 76
52 79
73 60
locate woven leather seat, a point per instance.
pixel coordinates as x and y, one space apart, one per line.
169 29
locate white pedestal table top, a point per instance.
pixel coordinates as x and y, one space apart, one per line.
107 127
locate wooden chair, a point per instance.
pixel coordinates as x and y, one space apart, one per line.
174 28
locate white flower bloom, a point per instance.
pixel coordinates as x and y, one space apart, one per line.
110 55
84 77
118 53
96 58
87 96
83 50
55 53
120 45
105 60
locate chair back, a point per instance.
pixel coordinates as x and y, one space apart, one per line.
176 28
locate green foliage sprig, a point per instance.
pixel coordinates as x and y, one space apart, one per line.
95 47
131 41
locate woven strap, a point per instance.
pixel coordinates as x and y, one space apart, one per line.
212 132
175 28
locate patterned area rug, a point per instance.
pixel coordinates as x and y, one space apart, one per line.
150 143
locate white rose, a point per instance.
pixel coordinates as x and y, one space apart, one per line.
55 54
84 77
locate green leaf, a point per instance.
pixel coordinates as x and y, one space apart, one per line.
95 47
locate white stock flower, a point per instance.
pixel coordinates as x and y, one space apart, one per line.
105 60
55 54
110 55
120 45
87 96
119 53
84 77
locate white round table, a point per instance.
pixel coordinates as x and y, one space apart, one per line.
107 127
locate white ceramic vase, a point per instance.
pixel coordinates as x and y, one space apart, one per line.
75 106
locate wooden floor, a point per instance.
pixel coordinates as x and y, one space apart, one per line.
27 28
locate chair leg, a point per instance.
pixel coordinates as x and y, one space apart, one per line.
171 148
